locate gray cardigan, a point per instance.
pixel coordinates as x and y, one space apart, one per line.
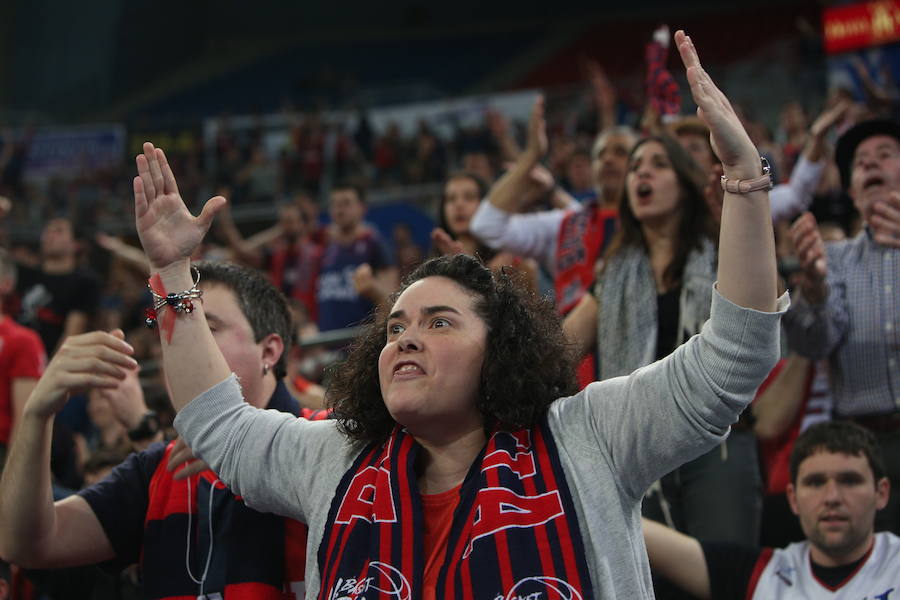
614 437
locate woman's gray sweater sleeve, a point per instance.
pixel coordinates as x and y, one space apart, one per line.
270 458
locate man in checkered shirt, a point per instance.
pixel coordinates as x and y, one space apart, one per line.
848 309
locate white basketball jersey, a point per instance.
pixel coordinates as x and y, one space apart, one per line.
788 574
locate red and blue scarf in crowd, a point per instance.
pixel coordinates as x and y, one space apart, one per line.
514 533
583 236
662 89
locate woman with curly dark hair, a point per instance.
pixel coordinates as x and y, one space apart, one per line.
460 466
524 337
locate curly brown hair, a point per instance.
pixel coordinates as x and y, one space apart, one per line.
528 362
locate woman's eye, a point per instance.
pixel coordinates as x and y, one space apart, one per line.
441 322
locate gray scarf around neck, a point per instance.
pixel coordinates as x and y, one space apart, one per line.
627 299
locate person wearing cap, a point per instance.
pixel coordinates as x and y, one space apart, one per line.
847 310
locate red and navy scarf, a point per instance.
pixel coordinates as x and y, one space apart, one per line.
583 235
514 533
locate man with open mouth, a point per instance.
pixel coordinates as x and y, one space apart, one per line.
847 310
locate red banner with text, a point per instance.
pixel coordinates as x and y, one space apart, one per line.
856 26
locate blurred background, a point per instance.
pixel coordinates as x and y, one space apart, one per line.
267 102
310 92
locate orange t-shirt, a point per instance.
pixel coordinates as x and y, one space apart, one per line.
438 516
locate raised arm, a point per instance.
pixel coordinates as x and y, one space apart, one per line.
498 125
747 272
247 251
35 532
791 198
603 94
497 224
509 190
131 256
169 234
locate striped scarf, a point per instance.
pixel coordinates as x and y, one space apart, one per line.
662 90
514 533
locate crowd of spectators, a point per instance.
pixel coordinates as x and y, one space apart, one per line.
548 197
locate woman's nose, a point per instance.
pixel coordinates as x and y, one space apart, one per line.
408 343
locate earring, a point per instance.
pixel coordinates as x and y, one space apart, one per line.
265 368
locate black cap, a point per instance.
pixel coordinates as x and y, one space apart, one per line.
846 145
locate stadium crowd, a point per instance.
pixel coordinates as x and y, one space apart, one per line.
621 220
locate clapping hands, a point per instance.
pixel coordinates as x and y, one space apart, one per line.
810 251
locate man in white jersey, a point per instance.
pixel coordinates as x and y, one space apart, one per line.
837 485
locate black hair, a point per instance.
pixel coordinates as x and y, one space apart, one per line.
837 437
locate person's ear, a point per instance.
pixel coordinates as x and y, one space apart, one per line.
272 348
791 493
883 492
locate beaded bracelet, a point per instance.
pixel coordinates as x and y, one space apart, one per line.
178 302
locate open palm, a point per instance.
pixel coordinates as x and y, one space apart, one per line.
729 138
168 231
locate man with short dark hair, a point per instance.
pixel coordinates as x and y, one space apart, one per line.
356 271
191 535
59 298
837 485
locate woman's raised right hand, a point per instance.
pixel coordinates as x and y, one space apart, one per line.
168 231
